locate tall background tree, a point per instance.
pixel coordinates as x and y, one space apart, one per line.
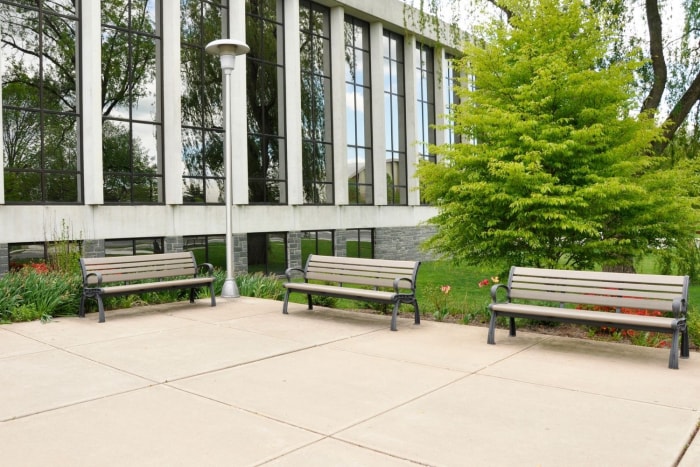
561 174
664 33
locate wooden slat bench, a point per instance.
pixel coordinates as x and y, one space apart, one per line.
396 278
542 294
142 273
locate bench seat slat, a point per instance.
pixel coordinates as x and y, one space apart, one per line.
598 275
644 286
629 300
656 323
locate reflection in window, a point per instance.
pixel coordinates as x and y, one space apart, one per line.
202 121
358 98
395 119
134 246
131 107
40 108
425 107
207 249
265 101
23 254
316 123
316 242
360 243
267 253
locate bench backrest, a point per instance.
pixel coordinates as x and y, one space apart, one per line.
139 267
362 271
618 290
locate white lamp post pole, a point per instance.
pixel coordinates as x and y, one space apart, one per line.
227 49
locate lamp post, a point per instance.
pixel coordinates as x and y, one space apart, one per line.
227 50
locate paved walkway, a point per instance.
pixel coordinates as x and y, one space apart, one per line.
242 384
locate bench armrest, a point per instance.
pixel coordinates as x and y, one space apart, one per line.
494 292
208 266
399 280
86 280
679 307
289 272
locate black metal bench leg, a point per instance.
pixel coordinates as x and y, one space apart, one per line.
81 312
394 314
512 327
192 295
685 344
286 300
213 294
417 312
101 308
673 358
311 304
491 339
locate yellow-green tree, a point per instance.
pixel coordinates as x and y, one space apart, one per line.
554 167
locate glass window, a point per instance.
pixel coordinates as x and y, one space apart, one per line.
265 102
134 246
358 98
22 254
40 105
203 178
360 243
316 242
395 119
267 253
207 249
131 105
316 112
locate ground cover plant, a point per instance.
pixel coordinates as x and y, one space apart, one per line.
445 292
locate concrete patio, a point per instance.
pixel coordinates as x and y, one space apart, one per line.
243 384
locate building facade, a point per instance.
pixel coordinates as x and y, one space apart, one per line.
113 129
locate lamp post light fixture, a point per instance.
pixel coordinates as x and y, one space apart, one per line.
227 50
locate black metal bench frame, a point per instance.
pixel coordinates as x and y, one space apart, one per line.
140 274
396 277
541 294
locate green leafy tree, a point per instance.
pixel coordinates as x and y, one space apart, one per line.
560 175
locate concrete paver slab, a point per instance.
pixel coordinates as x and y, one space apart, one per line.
176 353
225 309
12 344
613 369
36 382
331 452
491 421
70 331
691 457
311 327
445 345
153 426
242 384
321 389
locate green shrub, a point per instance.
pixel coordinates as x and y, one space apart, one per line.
260 286
31 294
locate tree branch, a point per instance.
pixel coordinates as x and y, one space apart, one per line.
658 62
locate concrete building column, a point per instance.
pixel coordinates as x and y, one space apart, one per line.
376 35
340 160
94 248
173 244
4 257
411 100
240 254
170 161
91 105
292 84
340 243
294 249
